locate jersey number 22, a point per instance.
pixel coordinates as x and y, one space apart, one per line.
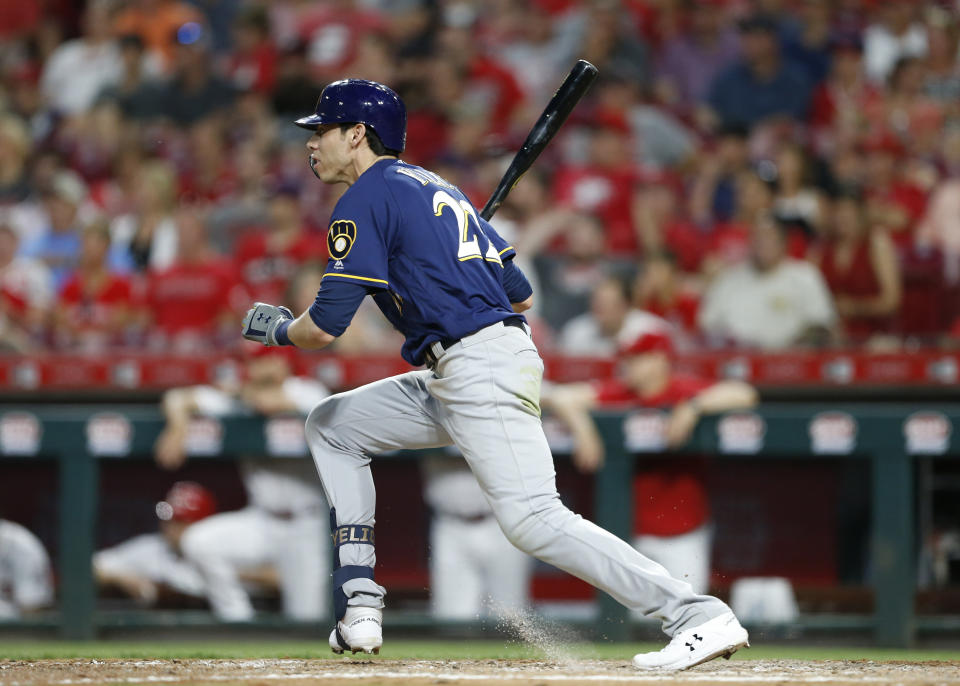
469 247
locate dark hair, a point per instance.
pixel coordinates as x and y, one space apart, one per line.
373 140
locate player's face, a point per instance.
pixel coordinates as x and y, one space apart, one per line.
330 153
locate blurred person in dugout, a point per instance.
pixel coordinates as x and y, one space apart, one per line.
151 566
26 580
671 521
285 521
474 570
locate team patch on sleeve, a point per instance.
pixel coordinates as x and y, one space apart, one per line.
340 238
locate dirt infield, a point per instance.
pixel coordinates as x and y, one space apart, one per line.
422 672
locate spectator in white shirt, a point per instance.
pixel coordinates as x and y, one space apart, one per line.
79 69
770 300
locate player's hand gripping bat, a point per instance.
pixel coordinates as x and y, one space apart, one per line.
550 121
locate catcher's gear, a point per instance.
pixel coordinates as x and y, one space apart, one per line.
261 322
365 102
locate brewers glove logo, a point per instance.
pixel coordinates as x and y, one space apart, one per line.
340 238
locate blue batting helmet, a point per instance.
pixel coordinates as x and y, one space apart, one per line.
364 102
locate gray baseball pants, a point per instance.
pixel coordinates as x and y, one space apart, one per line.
483 396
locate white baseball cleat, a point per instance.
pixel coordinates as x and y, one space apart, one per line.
721 636
360 629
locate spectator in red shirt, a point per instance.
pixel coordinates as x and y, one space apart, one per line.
268 258
331 32
196 300
604 186
660 290
253 60
859 264
95 305
672 512
893 203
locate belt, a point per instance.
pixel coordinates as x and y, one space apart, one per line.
430 355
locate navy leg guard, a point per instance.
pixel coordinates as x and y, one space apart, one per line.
353 534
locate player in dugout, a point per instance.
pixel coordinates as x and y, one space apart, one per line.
671 509
443 276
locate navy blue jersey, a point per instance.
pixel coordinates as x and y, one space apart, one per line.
433 266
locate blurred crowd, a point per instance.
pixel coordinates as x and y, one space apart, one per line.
760 173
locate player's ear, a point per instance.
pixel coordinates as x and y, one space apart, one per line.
357 134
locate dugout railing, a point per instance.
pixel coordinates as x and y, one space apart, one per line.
889 436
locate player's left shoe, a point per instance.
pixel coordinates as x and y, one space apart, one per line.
720 636
361 629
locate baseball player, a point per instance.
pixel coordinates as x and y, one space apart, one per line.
283 525
26 581
447 281
144 564
474 570
672 513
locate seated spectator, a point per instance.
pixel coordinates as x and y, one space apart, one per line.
662 225
895 32
95 305
79 69
146 237
690 60
58 243
570 276
14 152
285 522
156 22
149 566
660 290
796 201
194 91
893 202
859 264
137 92
762 84
195 300
671 507
769 301
728 243
26 579
26 295
942 78
713 192
269 257
940 227
252 65
603 186
596 332
846 102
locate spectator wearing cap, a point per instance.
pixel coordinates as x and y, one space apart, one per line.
26 294
671 522
762 84
150 567
859 263
690 60
769 301
95 306
604 185
285 523
79 69
58 244
896 33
